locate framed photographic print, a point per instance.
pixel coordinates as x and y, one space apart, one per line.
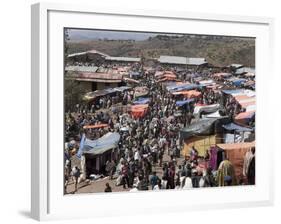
131 107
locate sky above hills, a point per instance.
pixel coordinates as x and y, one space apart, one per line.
78 34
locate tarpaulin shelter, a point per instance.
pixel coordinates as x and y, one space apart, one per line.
235 152
139 111
141 91
236 133
101 145
183 102
207 82
185 87
170 75
238 82
142 100
166 79
95 126
204 127
98 93
205 109
97 152
251 108
212 115
181 87
247 102
236 92
131 80
189 94
158 73
245 117
236 127
241 97
122 88
201 143
221 75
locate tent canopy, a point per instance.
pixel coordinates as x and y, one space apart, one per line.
205 108
182 87
238 82
101 145
95 126
205 126
188 93
235 127
183 102
142 100
233 146
245 115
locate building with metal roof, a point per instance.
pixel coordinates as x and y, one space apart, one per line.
244 70
177 60
122 59
87 52
81 68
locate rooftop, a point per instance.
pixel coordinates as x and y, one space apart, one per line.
181 60
97 77
122 59
87 52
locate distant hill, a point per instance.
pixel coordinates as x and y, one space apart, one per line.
218 50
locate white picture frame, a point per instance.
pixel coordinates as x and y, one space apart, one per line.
47 201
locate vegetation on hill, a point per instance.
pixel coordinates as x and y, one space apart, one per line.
218 50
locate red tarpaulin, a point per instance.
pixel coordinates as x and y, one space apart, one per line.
139 111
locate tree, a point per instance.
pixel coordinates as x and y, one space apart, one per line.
73 94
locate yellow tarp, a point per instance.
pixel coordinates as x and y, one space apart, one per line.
201 143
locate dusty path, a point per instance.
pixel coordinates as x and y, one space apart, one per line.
98 186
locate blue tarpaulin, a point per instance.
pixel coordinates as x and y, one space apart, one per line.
238 82
232 91
183 102
172 86
79 154
235 127
142 100
183 87
101 145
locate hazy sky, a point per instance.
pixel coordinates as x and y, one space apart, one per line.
77 34
87 34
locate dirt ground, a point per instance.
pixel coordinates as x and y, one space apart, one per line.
98 186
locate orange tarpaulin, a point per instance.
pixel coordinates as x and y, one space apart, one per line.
170 76
167 79
240 145
241 97
189 94
245 104
245 115
95 126
139 111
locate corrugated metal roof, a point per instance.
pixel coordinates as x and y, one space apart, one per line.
245 70
88 52
181 60
236 66
98 80
125 59
82 68
97 77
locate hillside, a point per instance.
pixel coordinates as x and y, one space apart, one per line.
218 50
